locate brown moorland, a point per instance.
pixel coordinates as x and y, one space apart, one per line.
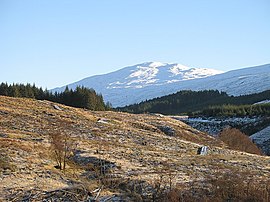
115 156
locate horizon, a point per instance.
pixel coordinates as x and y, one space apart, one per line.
53 44
118 69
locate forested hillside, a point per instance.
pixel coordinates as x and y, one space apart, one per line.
208 102
234 110
80 97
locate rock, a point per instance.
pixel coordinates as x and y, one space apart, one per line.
57 107
3 135
3 112
103 121
38 139
167 130
203 150
156 114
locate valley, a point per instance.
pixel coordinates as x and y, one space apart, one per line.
134 101
211 111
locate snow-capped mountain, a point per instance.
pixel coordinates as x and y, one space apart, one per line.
120 87
134 84
156 73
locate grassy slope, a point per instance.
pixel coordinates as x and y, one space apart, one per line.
133 142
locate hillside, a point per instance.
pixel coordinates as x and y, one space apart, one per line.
211 111
138 150
81 97
204 103
145 81
262 138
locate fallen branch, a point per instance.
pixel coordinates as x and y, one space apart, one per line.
98 192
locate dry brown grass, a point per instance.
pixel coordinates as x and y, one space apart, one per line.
223 187
136 146
5 161
237 140
9 143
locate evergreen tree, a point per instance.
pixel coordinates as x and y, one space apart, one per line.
82 97
207 102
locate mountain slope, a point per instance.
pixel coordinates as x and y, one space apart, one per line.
263 138
118 87
138 149
236 82
149 80
204 103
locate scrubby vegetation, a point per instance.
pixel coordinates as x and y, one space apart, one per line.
80 97
62 147
234 187
223 186
207 102
237 140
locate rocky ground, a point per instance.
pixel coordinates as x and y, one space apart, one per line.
136 151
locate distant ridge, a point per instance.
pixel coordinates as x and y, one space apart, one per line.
148 80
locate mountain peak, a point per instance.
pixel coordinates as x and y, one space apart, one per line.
158 73
155 64
148 80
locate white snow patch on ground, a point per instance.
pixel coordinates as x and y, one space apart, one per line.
262 102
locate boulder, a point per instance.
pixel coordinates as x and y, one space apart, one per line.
203 150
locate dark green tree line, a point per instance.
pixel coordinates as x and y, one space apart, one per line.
80 97
207 102
236 110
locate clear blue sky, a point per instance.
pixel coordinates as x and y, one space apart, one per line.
53 42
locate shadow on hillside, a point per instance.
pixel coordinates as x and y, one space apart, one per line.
94 165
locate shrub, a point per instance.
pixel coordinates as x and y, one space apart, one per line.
232 187
237 140
62 146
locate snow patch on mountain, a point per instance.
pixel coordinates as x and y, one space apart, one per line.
148 80
157 73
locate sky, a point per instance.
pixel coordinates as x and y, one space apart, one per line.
53 43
